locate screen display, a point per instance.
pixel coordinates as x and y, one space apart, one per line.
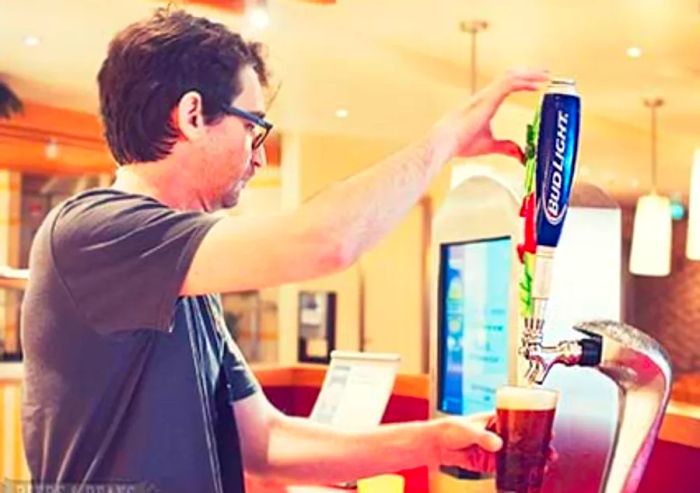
473 324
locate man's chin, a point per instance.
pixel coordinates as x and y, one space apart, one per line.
229 201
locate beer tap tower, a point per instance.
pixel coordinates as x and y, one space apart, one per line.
609 413
492 325
632 360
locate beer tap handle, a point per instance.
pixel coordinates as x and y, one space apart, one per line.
591 350
541 359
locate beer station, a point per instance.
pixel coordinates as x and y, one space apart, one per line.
533 297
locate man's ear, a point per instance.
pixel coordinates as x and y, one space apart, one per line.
189 116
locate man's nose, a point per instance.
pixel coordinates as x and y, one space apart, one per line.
259 158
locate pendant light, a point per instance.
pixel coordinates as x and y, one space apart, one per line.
692 248
652 234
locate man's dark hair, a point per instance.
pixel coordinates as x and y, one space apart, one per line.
151 64
9 102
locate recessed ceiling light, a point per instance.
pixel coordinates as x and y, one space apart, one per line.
259 17
32 41
634 52
341 113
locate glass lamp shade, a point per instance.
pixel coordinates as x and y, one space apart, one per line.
651 238
692 247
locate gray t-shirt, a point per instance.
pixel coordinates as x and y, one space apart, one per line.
126 382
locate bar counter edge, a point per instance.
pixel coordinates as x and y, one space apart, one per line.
681 423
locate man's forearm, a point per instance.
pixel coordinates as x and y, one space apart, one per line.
304 451
357 212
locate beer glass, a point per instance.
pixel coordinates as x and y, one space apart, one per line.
524 419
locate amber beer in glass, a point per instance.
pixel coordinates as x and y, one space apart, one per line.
524 419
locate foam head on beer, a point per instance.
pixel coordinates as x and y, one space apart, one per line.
526 399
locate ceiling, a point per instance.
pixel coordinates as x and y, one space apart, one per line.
397 65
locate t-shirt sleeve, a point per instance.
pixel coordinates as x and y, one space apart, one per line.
123 258
240 381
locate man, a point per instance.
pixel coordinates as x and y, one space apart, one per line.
131 376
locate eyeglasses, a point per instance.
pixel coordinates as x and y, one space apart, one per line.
262 127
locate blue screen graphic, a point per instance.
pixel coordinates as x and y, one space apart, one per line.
473 332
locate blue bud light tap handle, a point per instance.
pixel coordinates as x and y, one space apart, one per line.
557 145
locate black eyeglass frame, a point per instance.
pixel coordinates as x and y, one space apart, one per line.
253 118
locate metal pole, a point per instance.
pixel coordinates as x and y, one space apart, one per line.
473 28
653 104
474 61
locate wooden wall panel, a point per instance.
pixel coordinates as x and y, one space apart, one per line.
81 145
82 149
